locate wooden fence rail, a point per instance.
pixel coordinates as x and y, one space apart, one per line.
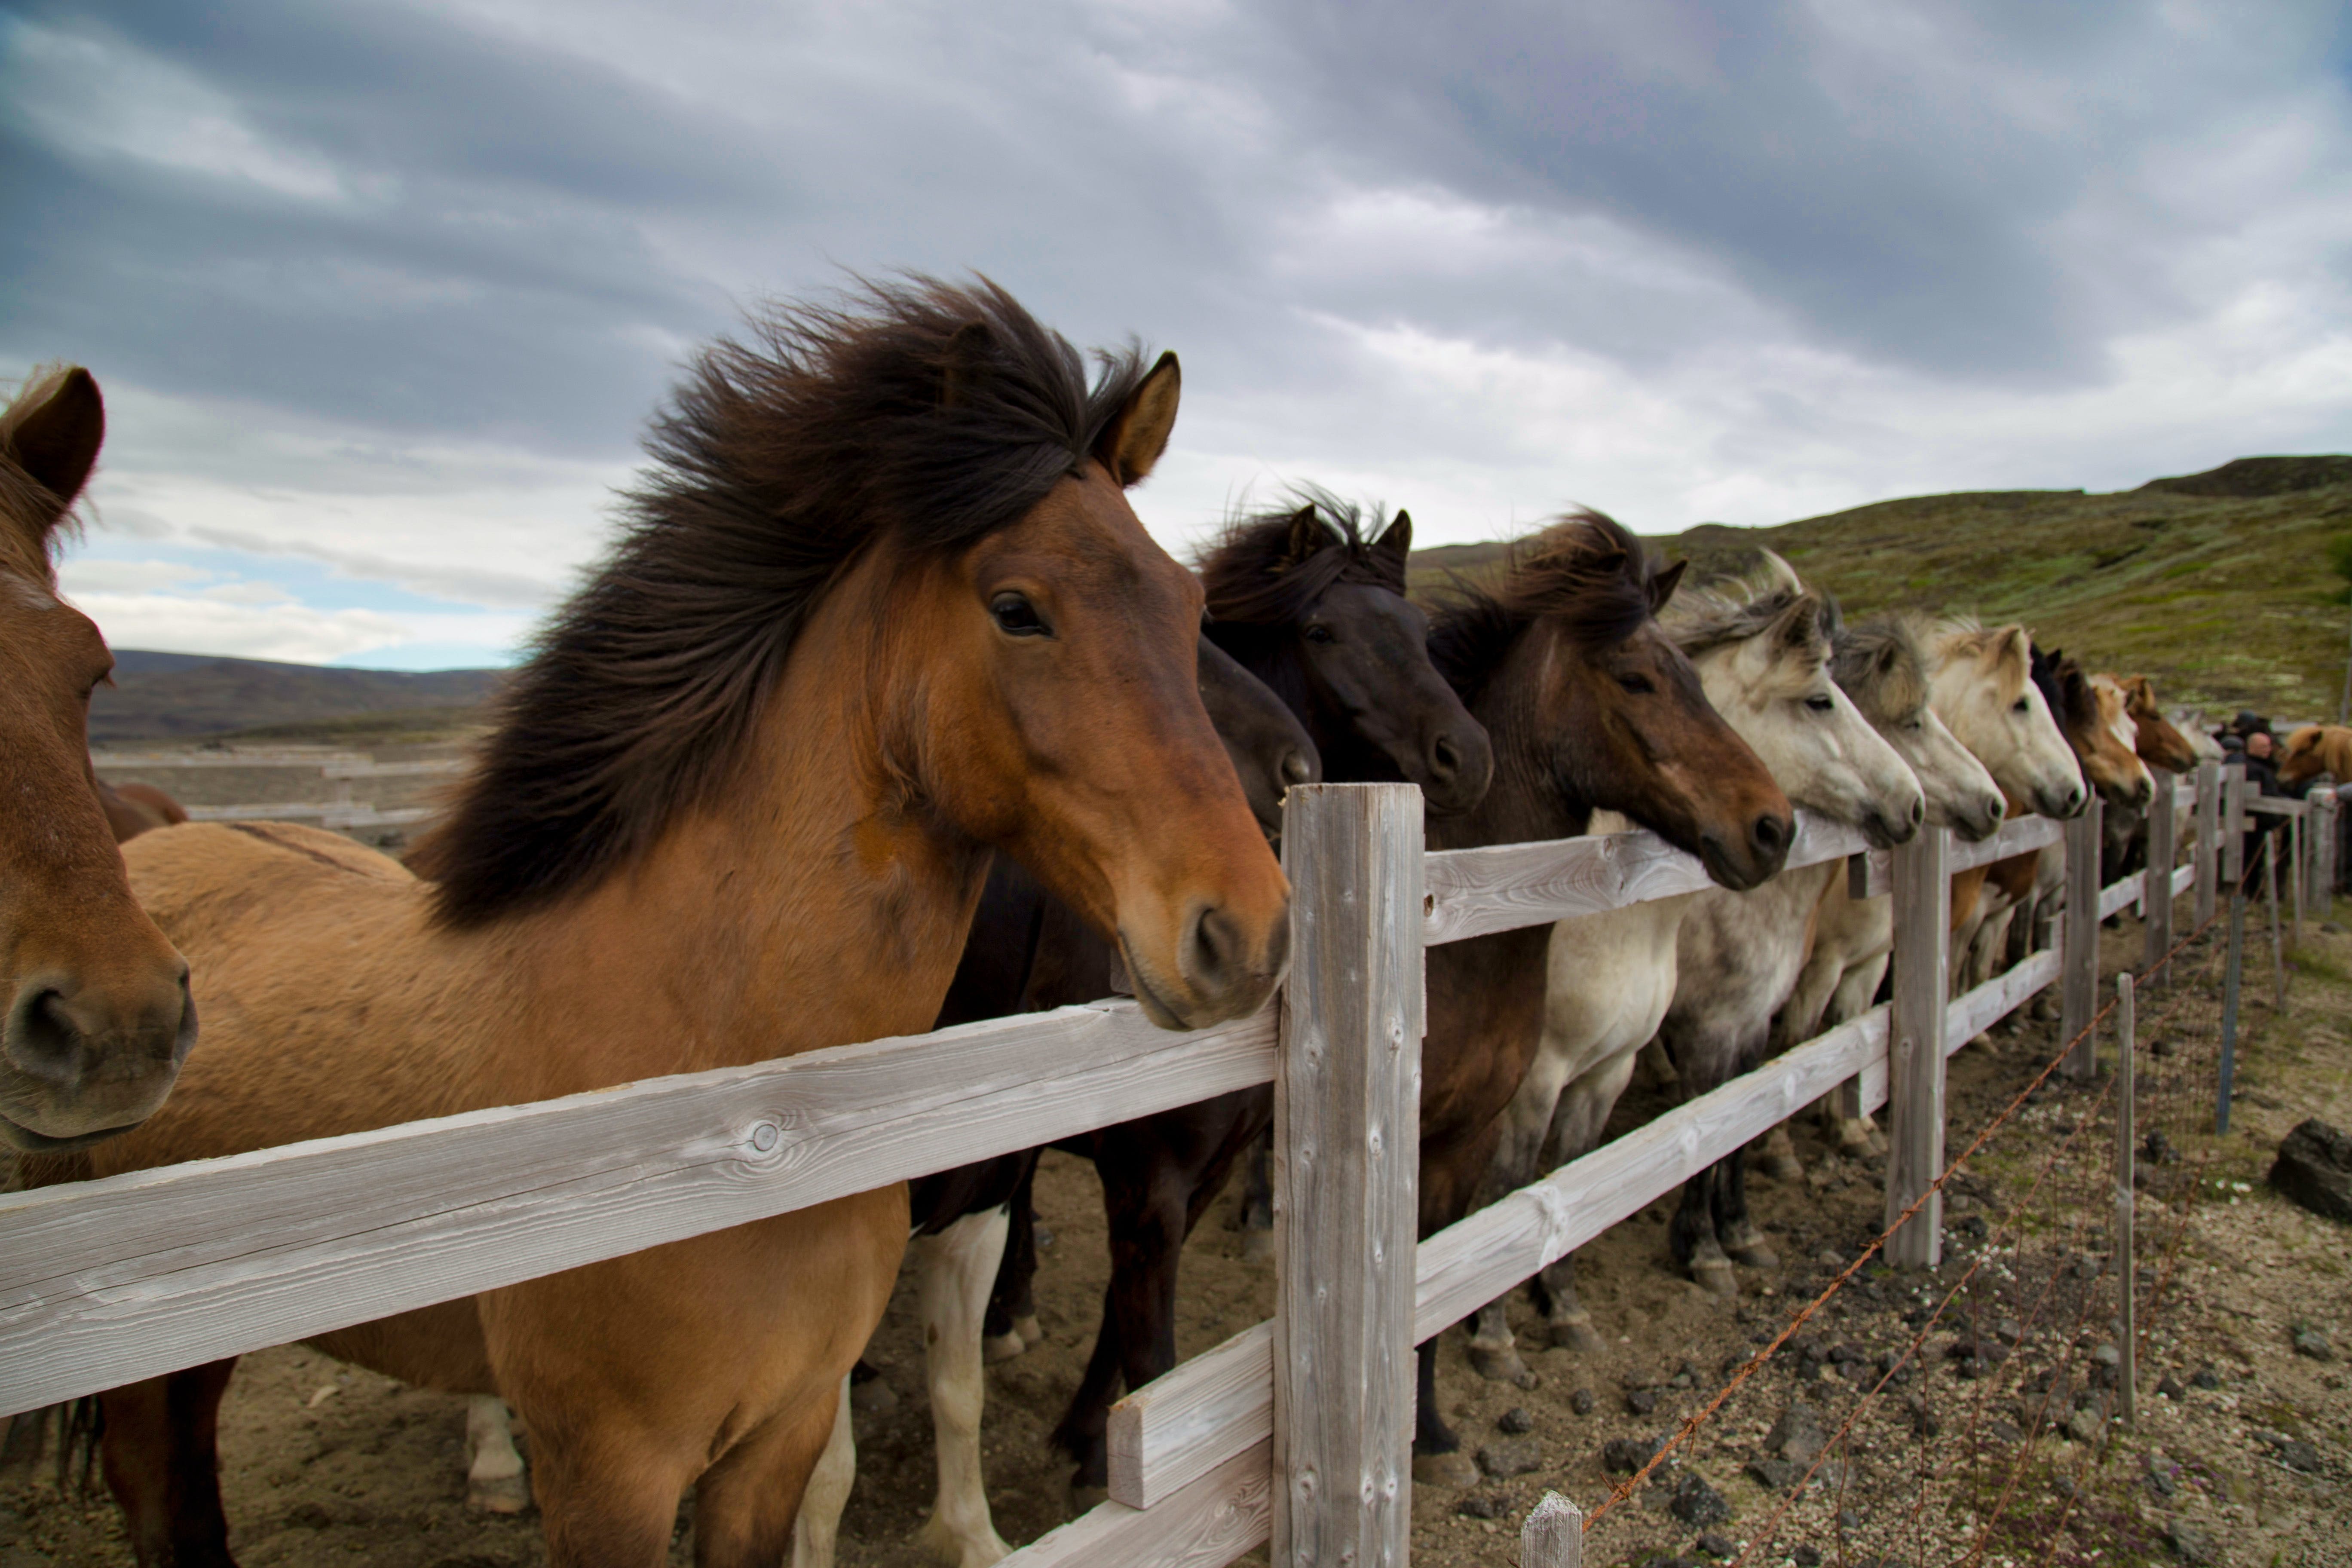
105 1282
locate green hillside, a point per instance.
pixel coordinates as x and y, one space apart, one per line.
180 697
2217 584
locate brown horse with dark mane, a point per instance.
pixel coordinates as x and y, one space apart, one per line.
1590 706
95 1018
880 610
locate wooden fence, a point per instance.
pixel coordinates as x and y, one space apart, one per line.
338 811
105 1282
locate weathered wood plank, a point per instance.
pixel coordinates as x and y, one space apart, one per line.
1175 1430
2156 904
1502 887
1225 1513
2018 835
1914 1046
105 1282
1345 1156
111 760
1552 1535
2127 1150
1976 1011
2208 859
2078 946
2120 895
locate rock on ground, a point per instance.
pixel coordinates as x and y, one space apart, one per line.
2314 1169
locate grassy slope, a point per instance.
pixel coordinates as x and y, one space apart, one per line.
182 697
2217 584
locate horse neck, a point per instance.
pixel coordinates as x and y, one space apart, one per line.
1529 799
814 903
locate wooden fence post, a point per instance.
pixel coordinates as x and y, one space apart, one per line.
2155 889
2126 1151
1553 1535
1346 1163
2209 839
1914 1045
2078 961
2232 832
2323 855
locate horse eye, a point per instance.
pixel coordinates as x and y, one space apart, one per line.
1317 632
1820 704
1639 685
2021 705
1017 616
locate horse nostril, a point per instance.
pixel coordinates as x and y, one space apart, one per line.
1918 813
1296 768
1213 947
42 1039
1445 757
1769 833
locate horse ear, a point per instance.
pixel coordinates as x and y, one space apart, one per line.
1396 539
964 369
1800 626
57 443
1132 443
1307 535
1662 585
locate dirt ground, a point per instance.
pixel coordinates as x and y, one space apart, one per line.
327 1465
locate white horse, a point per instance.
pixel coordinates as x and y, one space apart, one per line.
1763 660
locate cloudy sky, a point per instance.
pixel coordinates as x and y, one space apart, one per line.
380 294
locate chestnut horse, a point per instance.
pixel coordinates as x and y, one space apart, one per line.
95 1016
2317 748
880 608
1591 707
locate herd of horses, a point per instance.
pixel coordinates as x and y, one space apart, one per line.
886 713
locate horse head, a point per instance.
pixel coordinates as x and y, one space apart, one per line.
95 1018
1883 666
1981 683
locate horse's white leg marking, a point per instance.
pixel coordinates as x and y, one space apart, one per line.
494 1478
955 1271
818 1528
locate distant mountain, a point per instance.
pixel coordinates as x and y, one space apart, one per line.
182 697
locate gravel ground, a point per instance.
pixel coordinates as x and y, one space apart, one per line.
2248 1464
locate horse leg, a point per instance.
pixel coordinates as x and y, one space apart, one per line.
745 1504
955 1271
1081 1434
816 1530
161 1454
494 1474
1257 1199
1012 1305
1525 1121
1578 1125
1857 1135
1437 1457
1734 1226
1690 1236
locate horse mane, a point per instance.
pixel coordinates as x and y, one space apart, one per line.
1740 605
926 412
1882 664
1585 571
1966 635
37 519
1252 575
2066 688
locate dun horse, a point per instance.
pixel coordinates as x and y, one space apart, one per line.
881 608
95 1016
2318 749
1738 952
1590 708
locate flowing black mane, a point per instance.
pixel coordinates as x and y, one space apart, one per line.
1256 575
1586 571
928 412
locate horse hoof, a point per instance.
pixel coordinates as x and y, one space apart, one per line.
1781 1167
1455 1469
1257 1246
1715 1274
1028 1330
505 1494
1002 1347
1501 1363
871 1398
1577 1335
1755 1255
943 1546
